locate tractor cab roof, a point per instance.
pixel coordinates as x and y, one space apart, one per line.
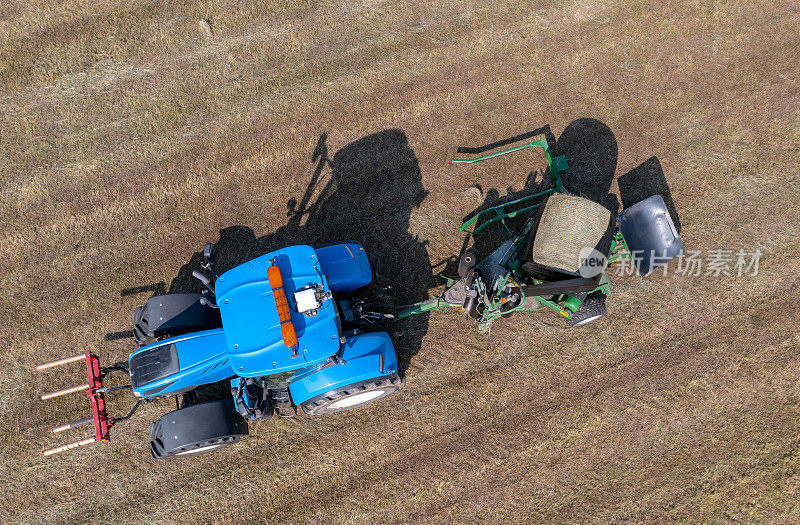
251 321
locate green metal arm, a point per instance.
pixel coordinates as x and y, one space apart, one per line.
537 142
555 166
424 306
501 214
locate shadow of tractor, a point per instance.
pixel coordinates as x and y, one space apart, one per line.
365 193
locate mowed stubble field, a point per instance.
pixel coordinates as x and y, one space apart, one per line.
128 138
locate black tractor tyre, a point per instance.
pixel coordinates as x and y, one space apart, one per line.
592 309
196 429
353 396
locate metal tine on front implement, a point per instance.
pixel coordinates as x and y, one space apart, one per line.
59 362
65 391
72 424
68 446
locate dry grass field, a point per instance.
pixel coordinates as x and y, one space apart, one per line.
131 133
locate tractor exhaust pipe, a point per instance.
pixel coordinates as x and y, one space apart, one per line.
66 391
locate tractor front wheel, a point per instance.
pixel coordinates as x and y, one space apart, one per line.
196 429
353 396
592 309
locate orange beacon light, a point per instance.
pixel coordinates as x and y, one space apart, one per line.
284 314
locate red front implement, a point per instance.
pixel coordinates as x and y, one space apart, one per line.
94 391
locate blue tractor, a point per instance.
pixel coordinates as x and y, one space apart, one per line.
292 328
286 329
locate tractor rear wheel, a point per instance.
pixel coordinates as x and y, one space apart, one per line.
196 429
353 396
592 309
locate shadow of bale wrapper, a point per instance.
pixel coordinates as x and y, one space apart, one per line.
646 180
591 151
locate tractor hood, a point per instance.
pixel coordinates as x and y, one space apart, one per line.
250 316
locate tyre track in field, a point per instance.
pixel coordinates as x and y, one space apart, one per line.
520 430
411 457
